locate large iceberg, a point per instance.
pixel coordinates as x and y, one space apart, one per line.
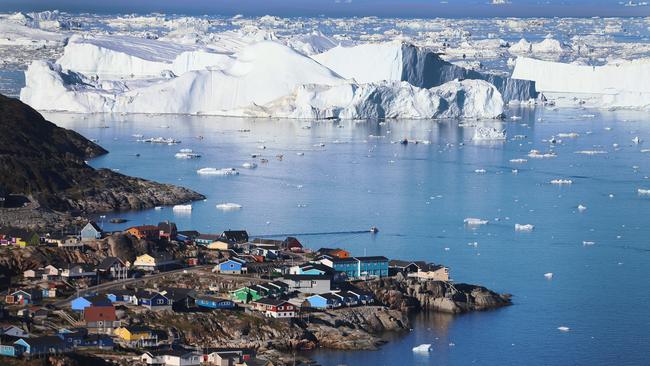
621 84
398 61
264 79
135 57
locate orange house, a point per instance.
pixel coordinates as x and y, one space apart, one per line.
144 232
334 253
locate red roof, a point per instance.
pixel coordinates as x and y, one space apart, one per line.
99 313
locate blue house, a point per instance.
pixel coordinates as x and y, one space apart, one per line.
355 267
152 300
9 350
231 266
91 232
100 341
324 301
213 302
120 296
37 346
82 302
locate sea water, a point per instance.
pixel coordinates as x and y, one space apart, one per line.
350 176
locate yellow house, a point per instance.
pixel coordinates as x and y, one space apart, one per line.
219 245
134 333
144 260
152 262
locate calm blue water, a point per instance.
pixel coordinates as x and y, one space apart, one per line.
418 196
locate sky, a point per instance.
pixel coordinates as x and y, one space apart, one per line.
382 8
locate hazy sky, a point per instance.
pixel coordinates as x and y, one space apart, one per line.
405 8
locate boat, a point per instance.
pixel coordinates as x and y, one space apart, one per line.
374 230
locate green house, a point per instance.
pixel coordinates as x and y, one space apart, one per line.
247 294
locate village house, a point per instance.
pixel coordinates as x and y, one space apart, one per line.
37 346
82 302
137 336
235 236
19 237
100 319
181 299
145 232
275 308
358 267
213 302
113 268
232 265
152 300
71 242
13 331
77 270
247 294
178 357
325 301
24 297
308 284
155 262
167 230
420 269
333 253
206 239
91 232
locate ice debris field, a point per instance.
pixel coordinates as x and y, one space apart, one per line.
323 68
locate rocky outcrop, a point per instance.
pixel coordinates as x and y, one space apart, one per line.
48 163
411 294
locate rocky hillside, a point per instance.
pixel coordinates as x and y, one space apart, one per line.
46 162
409 294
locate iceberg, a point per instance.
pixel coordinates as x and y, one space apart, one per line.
183 208
271 80
129 56
561 181
471 221
421 67
624 84
228 206
548 275
524 227
215 171
423 348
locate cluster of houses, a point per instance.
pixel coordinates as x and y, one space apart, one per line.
322 280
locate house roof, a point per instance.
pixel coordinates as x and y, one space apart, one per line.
295 277
99 313
44 341
236 235
317 266
108 262
211 237
99 300
94 226
144 294
210 298
177 293
271 301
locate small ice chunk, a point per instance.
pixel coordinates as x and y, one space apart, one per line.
582 208
637 140
249 165
570 135
536 154
518 161
423 348
563 329
480 171
229 206
548 275
524 227
643 192
587 242
591 152
472 221
561 181
488 134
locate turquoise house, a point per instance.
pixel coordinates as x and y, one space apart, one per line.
354 267
9 350
213 302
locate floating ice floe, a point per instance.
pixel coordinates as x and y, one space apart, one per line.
187 154
536 154
591 152
587 242
582 208
643 192
637 140
158 208
249 165
160 140
228 206
518 161
423 348
471 221
488 134
524 227
215 171
569 135
562 181
548 275
184 208
563 329
480 171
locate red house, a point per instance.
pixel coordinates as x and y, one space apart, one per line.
275 308
101 319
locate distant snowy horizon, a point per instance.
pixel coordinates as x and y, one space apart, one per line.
346 8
